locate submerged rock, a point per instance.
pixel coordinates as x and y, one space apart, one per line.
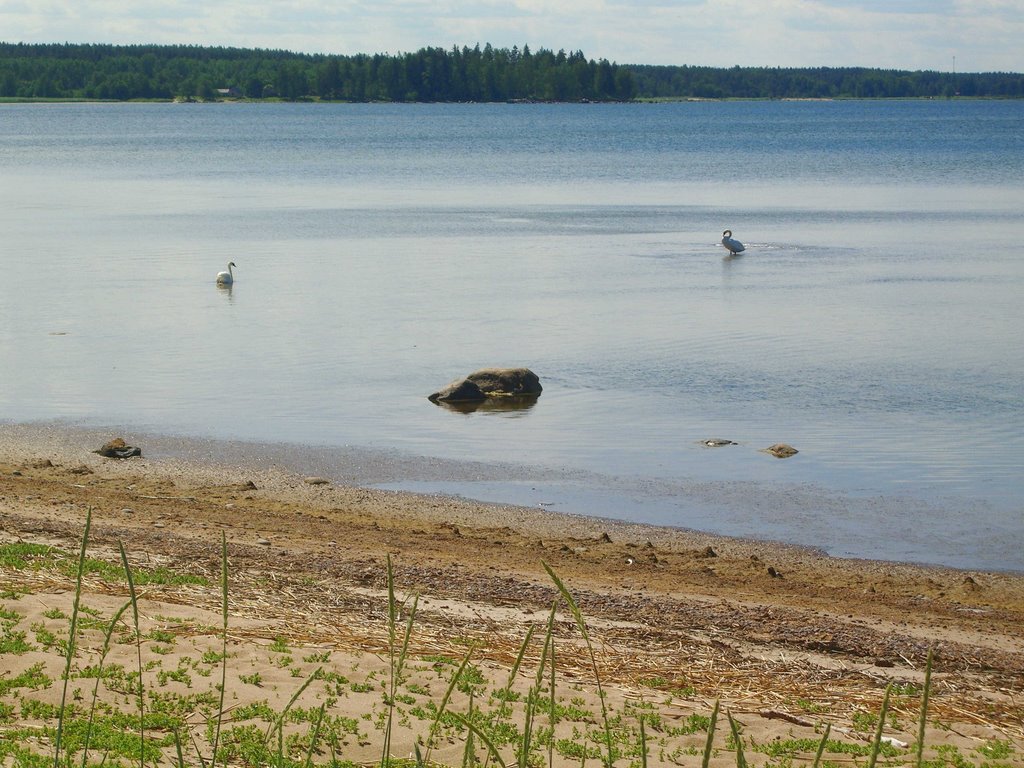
490 382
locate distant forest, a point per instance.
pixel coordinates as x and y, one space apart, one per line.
68 71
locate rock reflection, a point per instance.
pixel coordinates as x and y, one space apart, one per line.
492 405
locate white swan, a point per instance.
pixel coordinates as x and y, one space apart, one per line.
226 278
734 246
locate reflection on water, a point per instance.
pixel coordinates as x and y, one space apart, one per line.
507 404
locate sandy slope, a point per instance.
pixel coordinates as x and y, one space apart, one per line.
786 638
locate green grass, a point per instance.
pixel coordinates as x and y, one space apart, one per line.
37 557
142 711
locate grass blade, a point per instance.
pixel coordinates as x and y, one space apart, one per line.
876 744
224 643
821 745
73 633
533 697
444 703
741 760
514 672
553 716
469 753
709 744
480 734
178 750
278 724
99 676
397 658
134 600
924 708
578 616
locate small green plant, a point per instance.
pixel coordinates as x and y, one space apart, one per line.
810 707
9 615
996 749
14 642
864 721
161 636
254 679
23 556
212 657
177 675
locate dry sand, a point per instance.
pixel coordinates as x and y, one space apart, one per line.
787 639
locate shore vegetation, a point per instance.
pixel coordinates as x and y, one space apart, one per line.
108 696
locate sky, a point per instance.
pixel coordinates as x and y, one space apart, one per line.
942 35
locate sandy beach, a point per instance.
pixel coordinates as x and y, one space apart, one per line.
787 639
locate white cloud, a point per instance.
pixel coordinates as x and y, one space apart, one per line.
903 34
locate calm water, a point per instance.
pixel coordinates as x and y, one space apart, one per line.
874 321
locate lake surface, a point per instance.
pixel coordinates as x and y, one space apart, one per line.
874 322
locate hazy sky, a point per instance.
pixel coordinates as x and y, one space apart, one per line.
982 35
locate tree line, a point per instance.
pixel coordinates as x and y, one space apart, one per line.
821 83
431 74
72 71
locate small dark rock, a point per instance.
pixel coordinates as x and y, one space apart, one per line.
118 449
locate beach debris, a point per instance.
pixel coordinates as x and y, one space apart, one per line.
490 382
773 573
776 714
316 481
781 450
718 442
118 449
263 542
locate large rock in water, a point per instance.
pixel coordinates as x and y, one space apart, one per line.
490 382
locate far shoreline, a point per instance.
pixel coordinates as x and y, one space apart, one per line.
512 102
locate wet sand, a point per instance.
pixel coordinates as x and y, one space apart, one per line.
786 638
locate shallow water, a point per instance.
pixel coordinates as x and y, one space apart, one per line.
383 250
